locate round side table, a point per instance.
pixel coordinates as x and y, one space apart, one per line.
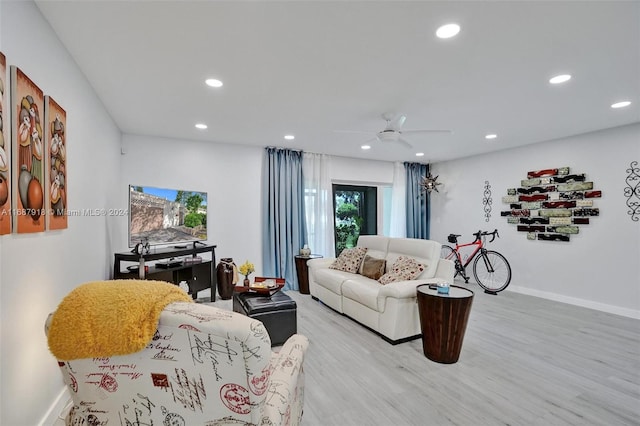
443 320
303 272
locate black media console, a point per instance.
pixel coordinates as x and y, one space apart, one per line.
174 265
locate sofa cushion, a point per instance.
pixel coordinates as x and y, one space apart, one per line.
403 269
373 268
349 260
426 252
362 290
331 279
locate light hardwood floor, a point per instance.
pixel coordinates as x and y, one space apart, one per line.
524 361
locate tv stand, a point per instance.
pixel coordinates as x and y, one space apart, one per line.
198 275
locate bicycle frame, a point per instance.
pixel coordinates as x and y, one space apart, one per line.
479 248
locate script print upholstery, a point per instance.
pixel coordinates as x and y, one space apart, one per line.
204 366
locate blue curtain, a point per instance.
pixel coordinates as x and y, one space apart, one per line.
417 202
283 223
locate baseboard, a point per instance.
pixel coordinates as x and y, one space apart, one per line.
616 310
60 404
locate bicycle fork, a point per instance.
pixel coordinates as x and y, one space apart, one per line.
487 262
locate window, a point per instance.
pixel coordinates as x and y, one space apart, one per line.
356 213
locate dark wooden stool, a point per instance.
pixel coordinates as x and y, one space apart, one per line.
277 313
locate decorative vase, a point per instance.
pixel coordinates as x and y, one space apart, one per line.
305 251
246 281
225 273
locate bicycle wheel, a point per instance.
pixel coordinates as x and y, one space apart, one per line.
492 271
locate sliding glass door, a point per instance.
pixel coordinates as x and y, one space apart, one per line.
355 209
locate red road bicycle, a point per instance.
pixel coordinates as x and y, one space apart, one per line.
490 269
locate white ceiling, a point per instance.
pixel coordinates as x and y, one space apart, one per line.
312 67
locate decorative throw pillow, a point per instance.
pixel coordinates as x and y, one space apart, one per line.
404 268
373 268
349 260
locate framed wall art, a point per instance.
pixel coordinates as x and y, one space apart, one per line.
5 152
56 186
27 101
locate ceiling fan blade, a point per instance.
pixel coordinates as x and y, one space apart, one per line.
426 131
405 143
360 132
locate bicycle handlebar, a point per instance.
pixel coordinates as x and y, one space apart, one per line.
481 233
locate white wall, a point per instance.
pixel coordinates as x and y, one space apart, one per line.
38 270
599 267
229 174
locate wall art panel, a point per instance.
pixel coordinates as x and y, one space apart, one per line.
27 102
56 142
632 191
551 204
5 151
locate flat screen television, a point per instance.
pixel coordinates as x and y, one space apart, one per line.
166 216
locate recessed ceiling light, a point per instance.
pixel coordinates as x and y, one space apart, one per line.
560 79
213 82
491 136
419 154
365 147
289 137
448 30
201 126
621 104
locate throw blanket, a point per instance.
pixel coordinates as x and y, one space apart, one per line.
105 318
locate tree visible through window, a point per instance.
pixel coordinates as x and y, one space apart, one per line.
355 210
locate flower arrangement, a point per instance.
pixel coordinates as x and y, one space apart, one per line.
246 268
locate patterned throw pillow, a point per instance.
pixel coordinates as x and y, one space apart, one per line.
373 268
405 268
349 260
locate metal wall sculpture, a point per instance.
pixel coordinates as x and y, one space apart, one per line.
632 191
551 204
486 201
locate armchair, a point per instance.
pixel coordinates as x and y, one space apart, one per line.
203 366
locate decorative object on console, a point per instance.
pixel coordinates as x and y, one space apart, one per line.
486 201
429 183
246 269
551 204
5 153
227 274
28 153
632 191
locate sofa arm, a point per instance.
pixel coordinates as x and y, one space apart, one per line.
285 395
446 270
402 289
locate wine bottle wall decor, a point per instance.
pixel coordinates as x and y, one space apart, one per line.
551 204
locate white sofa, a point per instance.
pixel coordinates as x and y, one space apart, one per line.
391 309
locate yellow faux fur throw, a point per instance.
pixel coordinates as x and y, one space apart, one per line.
105 318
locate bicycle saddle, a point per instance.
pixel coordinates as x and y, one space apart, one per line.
453 238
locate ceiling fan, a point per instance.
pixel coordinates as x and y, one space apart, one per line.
392 133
